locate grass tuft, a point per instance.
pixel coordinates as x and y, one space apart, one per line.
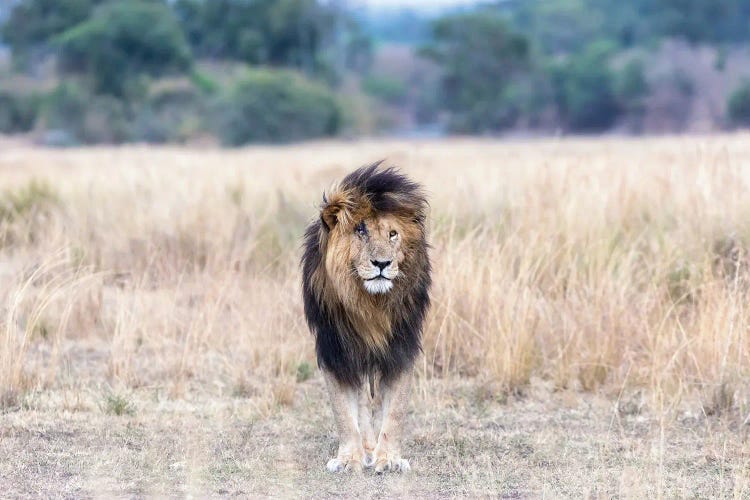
116 404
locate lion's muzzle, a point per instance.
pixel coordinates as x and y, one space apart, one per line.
379 279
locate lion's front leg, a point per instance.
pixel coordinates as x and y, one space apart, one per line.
365 424
344 402
395 400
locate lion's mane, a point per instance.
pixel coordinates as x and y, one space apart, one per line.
362 334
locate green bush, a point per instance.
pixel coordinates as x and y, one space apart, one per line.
631 90
31 24
65 107
481 57
738 105
630 84
584 90
86 118
18 113
204 82
123 41
171 113
276 106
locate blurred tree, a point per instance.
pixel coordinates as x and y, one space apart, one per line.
704 20
268 105
123 41
32 24
566 26
584 92
631 90
738 105
18 113
358 50
275 32
561 26
480 56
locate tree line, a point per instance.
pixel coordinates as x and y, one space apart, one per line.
282 70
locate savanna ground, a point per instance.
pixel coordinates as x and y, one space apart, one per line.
588 335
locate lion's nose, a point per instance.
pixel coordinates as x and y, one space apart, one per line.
382 264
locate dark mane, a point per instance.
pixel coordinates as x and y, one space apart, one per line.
387 189
339 348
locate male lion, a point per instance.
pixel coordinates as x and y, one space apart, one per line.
365 284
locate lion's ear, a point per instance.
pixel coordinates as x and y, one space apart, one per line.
336 208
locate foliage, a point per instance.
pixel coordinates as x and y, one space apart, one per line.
84 117
276 106
116 404
276 32
18 112
631 84
738 105
123 40
385 88
631 89
173 112
565 26
33 23
65 107
704 21
511 63
480 56
583 89
562 26
304 371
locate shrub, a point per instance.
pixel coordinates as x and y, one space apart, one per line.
738 105
631 90
64 108
631 85
276 106
123 41
32 23
84 117
584 90
116 404
481 57
204 82
304 371
18 113
173 112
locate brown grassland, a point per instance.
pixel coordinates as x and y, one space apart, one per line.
588 335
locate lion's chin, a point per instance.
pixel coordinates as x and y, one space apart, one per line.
378 285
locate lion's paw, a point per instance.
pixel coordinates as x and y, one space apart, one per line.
369 459
339 464
387 464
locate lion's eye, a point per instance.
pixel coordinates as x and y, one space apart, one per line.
393 235
360 229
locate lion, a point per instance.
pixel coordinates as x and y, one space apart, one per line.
365 285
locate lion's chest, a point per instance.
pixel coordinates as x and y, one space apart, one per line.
373 327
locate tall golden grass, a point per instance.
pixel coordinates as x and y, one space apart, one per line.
596 264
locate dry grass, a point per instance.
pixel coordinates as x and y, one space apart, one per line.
617 267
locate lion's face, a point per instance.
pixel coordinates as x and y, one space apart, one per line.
376 252
366 252
372 240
